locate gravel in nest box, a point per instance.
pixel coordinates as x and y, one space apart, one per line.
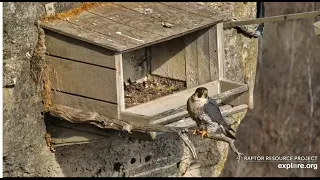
154 87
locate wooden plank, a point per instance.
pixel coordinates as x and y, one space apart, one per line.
189 123
178 116
238 99
213 54
105 26
78 32
168 59
83 79
166 103
136 118
194 7
168 14
203 56
67 47
272 19
136 20
171 118
192 74
119 83
86 104
317 28
220 49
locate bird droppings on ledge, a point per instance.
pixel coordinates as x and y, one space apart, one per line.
73 12
154 87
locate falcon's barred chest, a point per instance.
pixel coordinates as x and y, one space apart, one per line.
195 108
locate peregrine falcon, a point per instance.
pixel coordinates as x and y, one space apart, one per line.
206 113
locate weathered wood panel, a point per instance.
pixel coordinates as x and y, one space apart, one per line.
192 73
78 32
197 8
83 79
220 50
119 84
86 104
236 100
137 118
213 54
316 26
122 32
168 59
200 60
203 57
67 47
136 20
168 14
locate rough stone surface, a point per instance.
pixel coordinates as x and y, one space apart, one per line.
25 150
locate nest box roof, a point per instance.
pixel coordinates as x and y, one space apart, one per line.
126 26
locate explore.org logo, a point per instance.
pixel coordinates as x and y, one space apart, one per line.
287 162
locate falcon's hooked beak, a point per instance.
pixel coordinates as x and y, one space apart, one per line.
201 92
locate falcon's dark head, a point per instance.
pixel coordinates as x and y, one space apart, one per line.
201 92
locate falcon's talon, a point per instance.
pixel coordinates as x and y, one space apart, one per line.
203 133
196 131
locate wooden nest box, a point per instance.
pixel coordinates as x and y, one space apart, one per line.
96 52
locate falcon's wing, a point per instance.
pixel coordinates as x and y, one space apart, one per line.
213 111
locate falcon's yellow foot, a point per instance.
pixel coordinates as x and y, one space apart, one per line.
203 133
196 131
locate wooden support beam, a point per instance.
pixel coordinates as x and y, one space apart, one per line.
317 28
220 50
271 19
119 81
177 116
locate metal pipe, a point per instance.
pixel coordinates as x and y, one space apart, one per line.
272 19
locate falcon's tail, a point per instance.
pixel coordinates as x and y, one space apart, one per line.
229 128
228 133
